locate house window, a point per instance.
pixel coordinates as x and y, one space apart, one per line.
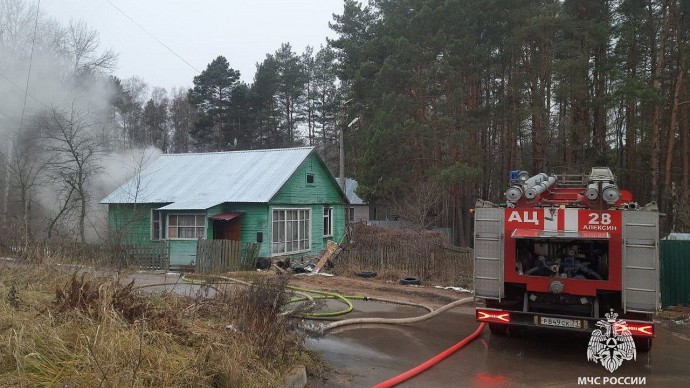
310 178
186 226
350 214
156 225
291 231
327 221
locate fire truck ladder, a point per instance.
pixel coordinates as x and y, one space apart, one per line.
572 180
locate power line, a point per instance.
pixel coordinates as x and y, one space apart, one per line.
152 36
24 90
31 61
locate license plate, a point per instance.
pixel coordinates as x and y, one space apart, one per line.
561 322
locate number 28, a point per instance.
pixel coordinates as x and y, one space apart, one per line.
599 219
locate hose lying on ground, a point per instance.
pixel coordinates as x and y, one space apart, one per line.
330 314
431 362
306 295
432 313
396 321
325 295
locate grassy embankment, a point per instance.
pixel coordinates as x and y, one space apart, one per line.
80 330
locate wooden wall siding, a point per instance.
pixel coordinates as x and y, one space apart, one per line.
254 220
131 223
296 190
219 256
296 193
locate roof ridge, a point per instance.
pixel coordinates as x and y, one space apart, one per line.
242 151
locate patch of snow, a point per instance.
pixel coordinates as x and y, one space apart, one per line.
456 289
313 274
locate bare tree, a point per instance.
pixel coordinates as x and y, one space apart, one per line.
24 164
419 206
82 43
74 151
182 118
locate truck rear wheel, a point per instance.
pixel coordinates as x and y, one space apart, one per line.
498 329
643 344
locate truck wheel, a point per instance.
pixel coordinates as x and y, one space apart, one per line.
498 329
643 344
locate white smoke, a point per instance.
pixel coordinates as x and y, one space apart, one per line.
116 169
46 67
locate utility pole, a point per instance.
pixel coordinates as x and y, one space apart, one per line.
342 153
341 140
342 159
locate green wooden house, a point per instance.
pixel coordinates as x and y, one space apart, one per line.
284 199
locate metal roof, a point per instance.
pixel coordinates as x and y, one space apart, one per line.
227 216
203 180
351 191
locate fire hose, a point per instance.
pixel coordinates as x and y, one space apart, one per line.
427 364
430 362
396 321
306 295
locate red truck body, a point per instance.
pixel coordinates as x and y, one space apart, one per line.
562 253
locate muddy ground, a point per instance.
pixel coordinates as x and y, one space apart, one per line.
425 294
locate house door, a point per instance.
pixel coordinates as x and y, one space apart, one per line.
227 230
227 226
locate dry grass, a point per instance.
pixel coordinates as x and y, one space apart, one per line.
79 330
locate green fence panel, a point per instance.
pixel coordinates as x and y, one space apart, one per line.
675 273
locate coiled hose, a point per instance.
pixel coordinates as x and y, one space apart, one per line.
306 295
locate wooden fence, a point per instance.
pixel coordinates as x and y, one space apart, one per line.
448 266
148 256
153 257
217 256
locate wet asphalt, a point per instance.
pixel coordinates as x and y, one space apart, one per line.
362 356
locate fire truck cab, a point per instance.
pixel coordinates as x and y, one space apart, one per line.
565 250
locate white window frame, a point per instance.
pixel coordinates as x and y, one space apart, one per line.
196 226
300 236
327 221
161 226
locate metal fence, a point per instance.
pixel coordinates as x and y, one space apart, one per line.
217 256
675 272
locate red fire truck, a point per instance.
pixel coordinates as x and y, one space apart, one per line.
565 250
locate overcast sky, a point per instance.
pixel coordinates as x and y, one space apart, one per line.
243 31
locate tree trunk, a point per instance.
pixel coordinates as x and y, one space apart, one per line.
684 128
599 136
537 104
656 115
671 138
